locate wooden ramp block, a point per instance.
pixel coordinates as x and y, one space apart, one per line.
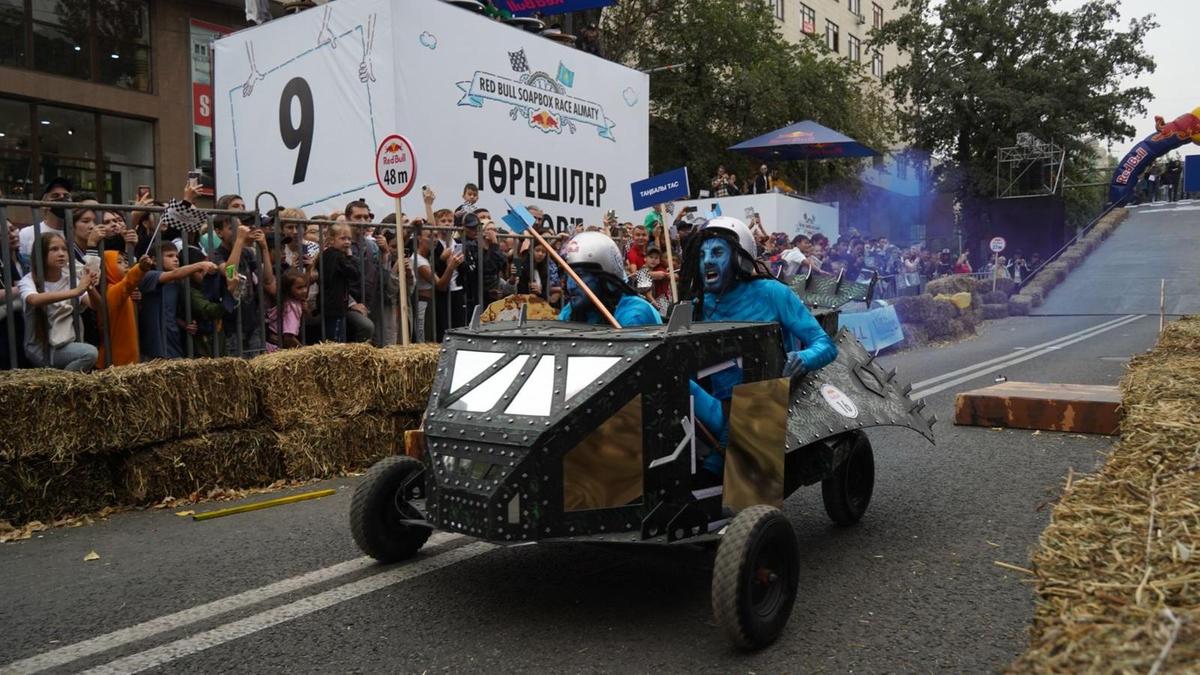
1079 408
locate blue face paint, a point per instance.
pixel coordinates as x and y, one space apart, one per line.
716 265
575 295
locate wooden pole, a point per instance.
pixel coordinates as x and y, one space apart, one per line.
400 260
666 233
570 272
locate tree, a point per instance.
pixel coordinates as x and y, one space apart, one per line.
982 71
739 78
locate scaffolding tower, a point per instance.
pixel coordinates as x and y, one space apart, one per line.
1031 168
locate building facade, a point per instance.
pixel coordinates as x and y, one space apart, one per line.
843 26
113 94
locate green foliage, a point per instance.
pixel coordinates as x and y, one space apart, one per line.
739 78
983 71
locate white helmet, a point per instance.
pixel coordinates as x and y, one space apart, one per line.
744 238
598 250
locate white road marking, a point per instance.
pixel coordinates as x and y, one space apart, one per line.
1024 356
231 631
1006 357
163 624
178 649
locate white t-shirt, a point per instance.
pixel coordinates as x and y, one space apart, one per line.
57 311
26 235
795 260
422 261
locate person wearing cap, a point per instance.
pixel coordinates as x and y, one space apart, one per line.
57 190
726 283
596 259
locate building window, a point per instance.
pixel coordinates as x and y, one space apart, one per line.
854 48
106 41
876 16
776 8
104 154
855 7
831 35
877 65
808 20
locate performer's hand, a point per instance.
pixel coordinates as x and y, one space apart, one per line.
794 366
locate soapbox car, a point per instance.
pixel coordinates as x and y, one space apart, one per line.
541 431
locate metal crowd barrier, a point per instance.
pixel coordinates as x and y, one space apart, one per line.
230 334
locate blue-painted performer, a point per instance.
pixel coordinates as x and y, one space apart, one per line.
726 283
598 262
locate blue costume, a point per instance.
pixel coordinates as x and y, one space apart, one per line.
631 311
728 298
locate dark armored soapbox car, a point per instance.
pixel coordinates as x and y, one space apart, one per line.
544 431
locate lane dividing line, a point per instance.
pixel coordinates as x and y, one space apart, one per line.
998 359
1023 357
187 617
178 649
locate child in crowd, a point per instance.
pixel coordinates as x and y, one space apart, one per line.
470 196
341 274
49 314
660 279
206 311
158 326
122 322
295 311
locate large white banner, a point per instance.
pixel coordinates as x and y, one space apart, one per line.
302 103
778 213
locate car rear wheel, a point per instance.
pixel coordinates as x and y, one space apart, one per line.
848 491
383 520
755 577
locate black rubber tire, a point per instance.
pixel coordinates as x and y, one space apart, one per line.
755 577
847 493
380 501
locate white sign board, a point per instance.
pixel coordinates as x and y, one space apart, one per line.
778 213
997 244
303 102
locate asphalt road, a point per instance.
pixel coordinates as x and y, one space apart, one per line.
913 587
1124 275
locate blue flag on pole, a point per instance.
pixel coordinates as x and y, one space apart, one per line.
518 218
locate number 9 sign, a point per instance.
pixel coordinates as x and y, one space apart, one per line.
395 166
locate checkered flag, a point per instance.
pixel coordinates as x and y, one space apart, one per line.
519 63
181 215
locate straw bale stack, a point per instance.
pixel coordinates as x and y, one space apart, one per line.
338 445
40 488
1117 572
122 407
342 380
237 458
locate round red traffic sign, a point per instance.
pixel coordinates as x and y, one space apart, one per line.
395 166
998 244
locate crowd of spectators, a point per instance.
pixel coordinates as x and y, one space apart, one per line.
155 281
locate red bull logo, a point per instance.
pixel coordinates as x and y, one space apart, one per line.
1186 127
392 148
544 121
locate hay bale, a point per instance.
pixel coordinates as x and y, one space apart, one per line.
168 399
343 380
122 407
958 283
1071 259
235 458
1035 294
39 488
914 335
1182 336
993 297
48 413
1020 305
335 446
915 309
1005 286
995 310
